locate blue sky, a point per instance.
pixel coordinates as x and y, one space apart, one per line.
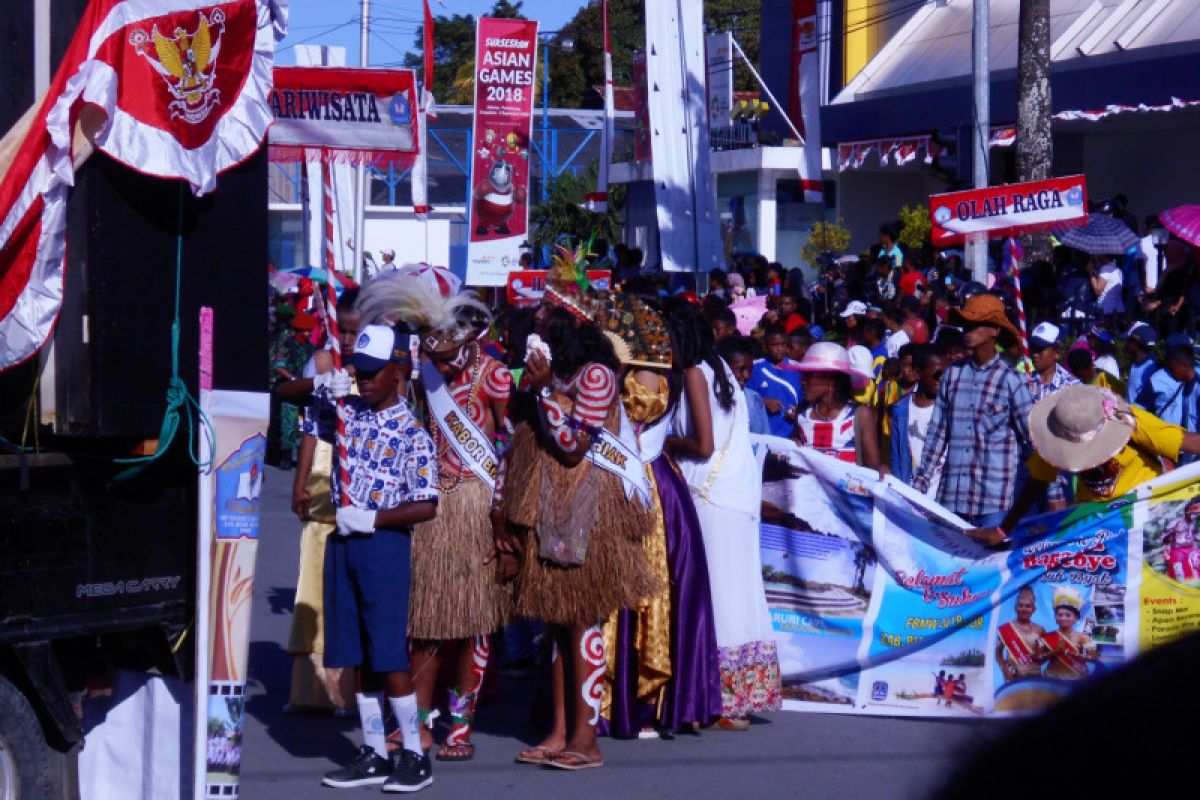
393 23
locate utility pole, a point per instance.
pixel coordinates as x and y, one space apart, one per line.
362 189
976 250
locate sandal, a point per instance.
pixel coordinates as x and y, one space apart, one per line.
730 724
536 755
456 752
581 761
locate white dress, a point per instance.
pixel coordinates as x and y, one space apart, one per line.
727 490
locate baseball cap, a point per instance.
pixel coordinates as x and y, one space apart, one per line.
854 308
387 252
376 347
1046 334
1143 333
1180 339
1101 334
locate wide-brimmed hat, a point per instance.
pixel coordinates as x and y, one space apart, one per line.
986 309
831 357
1080 427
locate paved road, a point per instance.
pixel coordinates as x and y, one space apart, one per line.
813 756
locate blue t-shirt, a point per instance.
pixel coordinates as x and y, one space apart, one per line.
1139 377
779 384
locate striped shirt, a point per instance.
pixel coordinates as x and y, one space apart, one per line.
981 426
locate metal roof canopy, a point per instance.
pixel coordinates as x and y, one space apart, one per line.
1103 52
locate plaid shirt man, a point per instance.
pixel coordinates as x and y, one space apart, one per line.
981 425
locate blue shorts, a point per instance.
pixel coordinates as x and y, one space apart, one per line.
366 600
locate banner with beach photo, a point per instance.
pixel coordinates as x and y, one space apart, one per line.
881 605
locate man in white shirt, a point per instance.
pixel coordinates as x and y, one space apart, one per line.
1106 282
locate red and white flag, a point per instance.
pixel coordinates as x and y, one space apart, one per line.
172 88
427 110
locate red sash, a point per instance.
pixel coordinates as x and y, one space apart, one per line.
1071 657
1017 648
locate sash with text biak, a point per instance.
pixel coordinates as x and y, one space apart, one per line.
470 444
611 453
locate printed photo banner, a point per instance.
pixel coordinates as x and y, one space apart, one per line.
239 421
344 115
498 220
881 606
1008 210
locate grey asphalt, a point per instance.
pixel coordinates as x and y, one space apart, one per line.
787 754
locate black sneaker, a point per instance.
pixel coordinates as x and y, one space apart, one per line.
412 773
367 769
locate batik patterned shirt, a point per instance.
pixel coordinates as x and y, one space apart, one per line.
391 458
981 426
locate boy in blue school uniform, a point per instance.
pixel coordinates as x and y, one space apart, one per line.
391 468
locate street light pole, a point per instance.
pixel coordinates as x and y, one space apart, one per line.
976 249
545 117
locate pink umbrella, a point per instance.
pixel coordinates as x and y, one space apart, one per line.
749 312
442 279
1184 222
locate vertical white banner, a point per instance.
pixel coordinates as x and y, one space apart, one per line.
685 193
718 48
808 86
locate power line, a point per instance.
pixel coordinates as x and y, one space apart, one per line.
326 32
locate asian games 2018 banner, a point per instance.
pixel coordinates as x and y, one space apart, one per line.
505 65
881 606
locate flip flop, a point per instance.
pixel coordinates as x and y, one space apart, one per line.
584 762
446 752
538 755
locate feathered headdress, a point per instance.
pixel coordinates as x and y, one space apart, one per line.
567 284
444 322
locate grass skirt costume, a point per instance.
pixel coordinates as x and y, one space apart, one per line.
614 573
454 594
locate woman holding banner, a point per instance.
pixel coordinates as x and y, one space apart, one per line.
829 420
713 448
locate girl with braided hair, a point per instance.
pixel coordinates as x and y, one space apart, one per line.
713 448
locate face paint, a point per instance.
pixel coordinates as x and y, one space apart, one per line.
591 649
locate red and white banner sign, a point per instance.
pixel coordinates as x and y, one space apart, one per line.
525 287
345 115
173 88
1008 210
806 95
505 65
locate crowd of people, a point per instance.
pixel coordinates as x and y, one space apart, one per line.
582 473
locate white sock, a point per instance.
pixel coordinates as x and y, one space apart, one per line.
405 709
370 715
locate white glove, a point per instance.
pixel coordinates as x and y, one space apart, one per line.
339 384
355 520
331 383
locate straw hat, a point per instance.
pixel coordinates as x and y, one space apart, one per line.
986 309
1080 427
832 357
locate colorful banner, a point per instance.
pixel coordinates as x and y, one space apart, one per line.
525 287
881 605
1008 210
344 115
718 51
239 421
505 66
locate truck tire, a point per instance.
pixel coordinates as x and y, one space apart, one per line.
29 767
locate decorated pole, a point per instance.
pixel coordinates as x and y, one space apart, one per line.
327 206
333 334
1013 253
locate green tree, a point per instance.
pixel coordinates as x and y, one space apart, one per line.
574 72
915 226
454 52
562 211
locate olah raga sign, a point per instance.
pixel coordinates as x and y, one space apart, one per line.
1008 210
